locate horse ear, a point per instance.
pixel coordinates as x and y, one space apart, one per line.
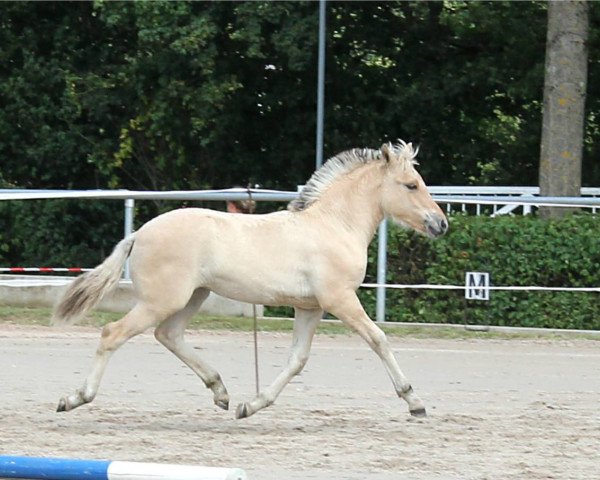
387 152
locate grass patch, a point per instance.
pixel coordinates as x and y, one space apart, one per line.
41 316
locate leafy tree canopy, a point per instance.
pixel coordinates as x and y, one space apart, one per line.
176 95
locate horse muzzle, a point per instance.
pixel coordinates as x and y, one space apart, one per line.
436 225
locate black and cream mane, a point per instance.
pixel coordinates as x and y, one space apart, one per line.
344 163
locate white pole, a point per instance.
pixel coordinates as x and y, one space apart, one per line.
128 229
381 270
156 471
321 85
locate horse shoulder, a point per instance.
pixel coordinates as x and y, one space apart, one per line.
331 254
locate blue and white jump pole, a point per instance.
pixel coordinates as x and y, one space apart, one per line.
72 469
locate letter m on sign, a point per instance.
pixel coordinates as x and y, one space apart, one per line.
476 286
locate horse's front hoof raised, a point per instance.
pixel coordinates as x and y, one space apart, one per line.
242 411
419 412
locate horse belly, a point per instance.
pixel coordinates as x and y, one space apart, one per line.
265 287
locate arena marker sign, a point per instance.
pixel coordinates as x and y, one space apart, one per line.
73 469
477 286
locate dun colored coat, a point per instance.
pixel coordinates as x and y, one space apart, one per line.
312 257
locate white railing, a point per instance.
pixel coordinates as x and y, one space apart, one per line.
469 199
500 208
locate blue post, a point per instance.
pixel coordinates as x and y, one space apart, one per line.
36 468
53 468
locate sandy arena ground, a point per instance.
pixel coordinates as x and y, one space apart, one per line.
519 409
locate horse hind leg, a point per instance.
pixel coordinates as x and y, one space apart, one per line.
171 334
114 335
305 325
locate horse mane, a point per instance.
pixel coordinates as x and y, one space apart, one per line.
344 163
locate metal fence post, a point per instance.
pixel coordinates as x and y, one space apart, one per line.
128 229
321 84
381 270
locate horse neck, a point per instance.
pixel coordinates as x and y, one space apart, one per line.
353 202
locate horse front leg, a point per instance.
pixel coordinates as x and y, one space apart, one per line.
305 325
348 309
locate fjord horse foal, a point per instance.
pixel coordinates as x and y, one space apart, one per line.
312 257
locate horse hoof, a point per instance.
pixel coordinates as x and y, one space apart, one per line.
62 405
223 403
419 412
241 411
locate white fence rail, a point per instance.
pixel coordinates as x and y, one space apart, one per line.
503 200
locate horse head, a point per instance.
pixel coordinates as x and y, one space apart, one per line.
404 195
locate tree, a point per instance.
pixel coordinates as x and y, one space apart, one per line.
564 101
461 79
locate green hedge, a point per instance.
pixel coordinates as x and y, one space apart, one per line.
515 250
58 233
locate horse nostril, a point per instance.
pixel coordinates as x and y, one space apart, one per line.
444 225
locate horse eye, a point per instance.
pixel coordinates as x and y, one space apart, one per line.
411 186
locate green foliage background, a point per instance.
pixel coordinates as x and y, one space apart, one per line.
515 251
173 95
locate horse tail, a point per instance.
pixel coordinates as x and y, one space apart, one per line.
86 291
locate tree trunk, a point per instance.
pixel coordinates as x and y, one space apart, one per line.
564 101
